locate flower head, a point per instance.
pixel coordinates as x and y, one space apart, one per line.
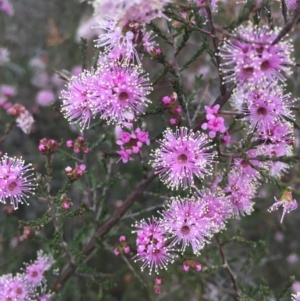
118 43
121 88
77 99
267 105
182 156
251 58
15 180
25 122
216 208
14 288
286 201
152 247
182 220
130 11
34 272
240 192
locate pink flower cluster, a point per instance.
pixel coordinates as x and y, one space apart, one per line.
169 103
214 124
188 264
184 222
134 11
78 145
76 172
131 143
252 58
30 285
112 91
24 119
48 146
123 246
258 67
152 247
121 43
16 181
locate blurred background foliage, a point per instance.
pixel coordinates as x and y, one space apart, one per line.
45 35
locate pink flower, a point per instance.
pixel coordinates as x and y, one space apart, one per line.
182 156
142 137
184 224
211 112
76 173
34 272
198 267
14 183
45 98
8 91
122 238
214 125
130 11
217 209
287 202
166 100
152 247
185 268
126 249
25 121
240 192
125 155
257 60
173 121
117 42
158 281
48 146
6 7
66 204
69 143
77 99
119 89
125 137
244 167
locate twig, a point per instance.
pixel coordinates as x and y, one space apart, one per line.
289 24
284 11
9 128
227 267
215 41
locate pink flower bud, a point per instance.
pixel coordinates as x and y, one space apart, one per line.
117 252
69 143
185 268
198 267
166 100
68 169
126 249
173 121
80 139
122 238
158 281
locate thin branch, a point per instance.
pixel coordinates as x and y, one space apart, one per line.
289 24
227 267
215 41
284 11
9 128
